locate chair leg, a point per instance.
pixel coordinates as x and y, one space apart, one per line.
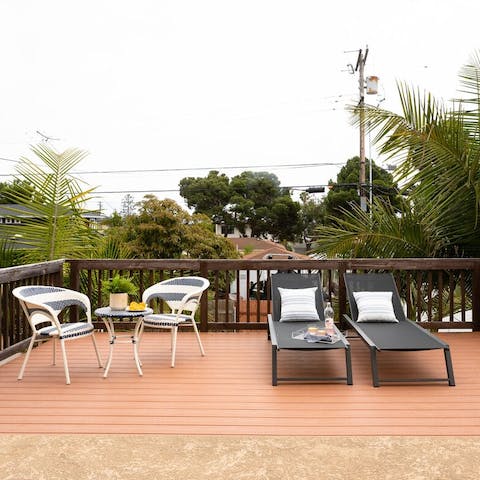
27 356
194 324
54 350
65 363
174 344
96 351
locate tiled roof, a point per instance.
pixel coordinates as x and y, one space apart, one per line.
261 248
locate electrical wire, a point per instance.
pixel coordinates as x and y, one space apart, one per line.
187 169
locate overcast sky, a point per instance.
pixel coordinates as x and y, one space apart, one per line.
186 84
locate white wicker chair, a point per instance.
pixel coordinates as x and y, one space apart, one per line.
42 306
182 295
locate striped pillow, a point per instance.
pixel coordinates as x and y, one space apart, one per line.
298 305
375 307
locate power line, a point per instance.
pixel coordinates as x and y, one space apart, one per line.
237 167
229 167
174 190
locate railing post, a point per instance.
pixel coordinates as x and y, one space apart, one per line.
74 285
58 280
342 295
74 275
204 299
476 300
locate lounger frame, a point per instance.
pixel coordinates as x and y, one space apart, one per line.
404 336
280 333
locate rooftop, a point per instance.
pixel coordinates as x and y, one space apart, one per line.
260 249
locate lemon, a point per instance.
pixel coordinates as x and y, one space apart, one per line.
136 306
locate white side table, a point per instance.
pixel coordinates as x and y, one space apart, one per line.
109 316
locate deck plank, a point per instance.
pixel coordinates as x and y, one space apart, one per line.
229 391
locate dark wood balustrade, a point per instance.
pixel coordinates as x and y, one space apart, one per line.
433 289
14 328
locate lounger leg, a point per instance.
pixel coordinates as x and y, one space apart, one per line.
274 366
448 362
348 362
27 356
373 361
65 363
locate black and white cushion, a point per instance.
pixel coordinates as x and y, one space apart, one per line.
298 304
375 307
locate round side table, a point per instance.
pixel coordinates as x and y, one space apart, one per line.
109 316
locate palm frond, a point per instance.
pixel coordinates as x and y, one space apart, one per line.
51 212
382 233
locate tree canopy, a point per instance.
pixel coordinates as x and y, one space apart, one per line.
251 199
162 229
344 192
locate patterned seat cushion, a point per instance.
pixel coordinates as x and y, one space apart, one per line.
164 320
68 330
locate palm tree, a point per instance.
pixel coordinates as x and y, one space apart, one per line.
51 212
437 150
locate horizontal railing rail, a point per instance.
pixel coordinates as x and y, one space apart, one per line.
438 293
14 328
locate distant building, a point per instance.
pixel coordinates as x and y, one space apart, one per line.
230 231
12 214
258 249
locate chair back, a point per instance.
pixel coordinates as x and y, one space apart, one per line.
292 281
179 293
373 282
42 303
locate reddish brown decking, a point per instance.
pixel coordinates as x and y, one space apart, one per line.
229 391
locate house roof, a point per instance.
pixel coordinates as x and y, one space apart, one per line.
16 210
262 248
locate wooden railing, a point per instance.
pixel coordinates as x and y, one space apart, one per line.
14 329
239 297
432 288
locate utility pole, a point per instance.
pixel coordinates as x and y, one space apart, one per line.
360 68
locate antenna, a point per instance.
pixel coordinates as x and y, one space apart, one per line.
46 138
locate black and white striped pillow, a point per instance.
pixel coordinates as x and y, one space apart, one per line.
375 307
298 305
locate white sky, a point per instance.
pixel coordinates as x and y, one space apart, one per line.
183 84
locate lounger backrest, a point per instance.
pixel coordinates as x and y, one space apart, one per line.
372 282
295 280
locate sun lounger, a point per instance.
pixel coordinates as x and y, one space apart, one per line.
372 321
282 324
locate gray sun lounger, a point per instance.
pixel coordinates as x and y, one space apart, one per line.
280 333
402 336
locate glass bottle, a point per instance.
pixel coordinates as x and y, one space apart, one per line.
329 321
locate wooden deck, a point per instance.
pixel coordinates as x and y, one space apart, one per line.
229 391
